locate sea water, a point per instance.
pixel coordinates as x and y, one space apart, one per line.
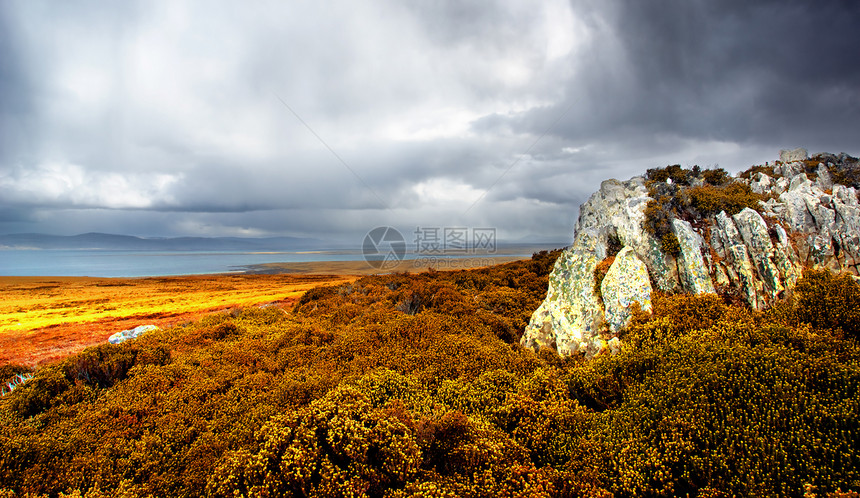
129 263
97 263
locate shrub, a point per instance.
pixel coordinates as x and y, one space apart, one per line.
691 312
717 176
828 301
659 213
706 393
732 198
337 446
717 192
152 354
751 172
220 331
848 175
613 244
705 398
542 262
674 172
40 393
10 370
412 303
12 376
316 294
103 365
669 244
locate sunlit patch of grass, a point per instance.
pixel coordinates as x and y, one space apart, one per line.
45 318
26 305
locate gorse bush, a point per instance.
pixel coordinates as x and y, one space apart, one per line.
7 372
829 302
843 169
337 445
354 394
732 198
716 176
12 376
672 174
103 365
754 170
691 195
824 301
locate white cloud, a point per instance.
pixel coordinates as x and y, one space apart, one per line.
564 33
64 185
445 192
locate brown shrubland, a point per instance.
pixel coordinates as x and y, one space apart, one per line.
415 385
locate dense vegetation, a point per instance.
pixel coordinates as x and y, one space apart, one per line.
415 385
691 195
695 194
843 169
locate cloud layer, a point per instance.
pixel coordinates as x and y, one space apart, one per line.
329 118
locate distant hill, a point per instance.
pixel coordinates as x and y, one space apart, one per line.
106 241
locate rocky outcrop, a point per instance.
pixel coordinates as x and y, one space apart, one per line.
691 264
625 283
572 316
808 219
125 335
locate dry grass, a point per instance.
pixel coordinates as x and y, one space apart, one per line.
45 318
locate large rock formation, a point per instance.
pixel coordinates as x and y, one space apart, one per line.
807 219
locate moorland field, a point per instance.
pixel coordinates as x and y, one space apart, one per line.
416 385
43 319
47 318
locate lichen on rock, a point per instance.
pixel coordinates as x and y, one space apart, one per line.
691 265
755 251
571 316
625 283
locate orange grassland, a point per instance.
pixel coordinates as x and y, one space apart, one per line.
46 318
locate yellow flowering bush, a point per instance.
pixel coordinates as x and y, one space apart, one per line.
354 393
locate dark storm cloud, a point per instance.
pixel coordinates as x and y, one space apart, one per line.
13 98
745 72
748 70
15 101
329 118
14 214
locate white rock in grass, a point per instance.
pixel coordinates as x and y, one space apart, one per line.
125 335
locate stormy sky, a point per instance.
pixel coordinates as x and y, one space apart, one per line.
328 118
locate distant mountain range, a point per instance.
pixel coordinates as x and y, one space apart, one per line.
106 241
